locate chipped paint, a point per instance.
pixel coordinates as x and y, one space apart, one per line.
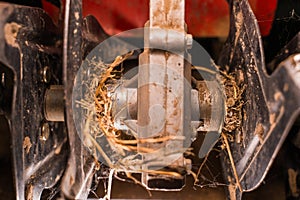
27 144
11 32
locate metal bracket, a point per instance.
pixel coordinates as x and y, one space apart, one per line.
39 147
272 103
80 169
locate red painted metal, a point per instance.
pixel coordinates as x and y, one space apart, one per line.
52 10
264 12
204 18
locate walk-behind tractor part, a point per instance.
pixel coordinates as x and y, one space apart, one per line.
91 102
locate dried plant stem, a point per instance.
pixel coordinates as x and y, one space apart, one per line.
150 140
105 86
128 174
167 173
232 161
100 150
205 69
195 176
200 168
103 105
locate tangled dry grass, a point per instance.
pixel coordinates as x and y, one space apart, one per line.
99 123
233 92
104 106
233 119
100 104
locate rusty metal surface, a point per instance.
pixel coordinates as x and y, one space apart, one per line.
271 102
163 100
167 14
164 88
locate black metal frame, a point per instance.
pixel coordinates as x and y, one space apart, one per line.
271 101
29 43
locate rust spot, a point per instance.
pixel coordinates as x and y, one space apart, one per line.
27 144
10 33
176 130
175 103
175 112
259 131
167 6
240 79
164 12
71 180
238 23
239 20
167 55
278 96
29 192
